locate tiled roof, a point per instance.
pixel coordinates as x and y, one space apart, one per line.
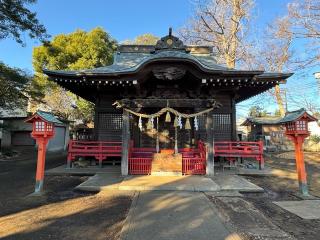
48 117
131 61
261 121
289 117
130 58
294 115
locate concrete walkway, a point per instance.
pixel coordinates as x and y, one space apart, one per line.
175 216
107 181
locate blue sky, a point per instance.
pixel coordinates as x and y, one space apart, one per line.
124 19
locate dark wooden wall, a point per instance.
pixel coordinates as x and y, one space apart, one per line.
107 121
108 124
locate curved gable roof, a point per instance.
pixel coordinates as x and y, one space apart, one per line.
128 62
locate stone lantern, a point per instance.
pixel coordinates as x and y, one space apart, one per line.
42 131
296 129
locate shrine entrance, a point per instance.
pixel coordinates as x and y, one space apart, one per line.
164 132
164 140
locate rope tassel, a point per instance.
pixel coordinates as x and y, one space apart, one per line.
196 124
180 122
149 124
176 122
140 124
188 125
168 117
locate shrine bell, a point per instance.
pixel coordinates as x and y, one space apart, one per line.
42 132
296 129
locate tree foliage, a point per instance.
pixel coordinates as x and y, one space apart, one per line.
256 111
15 87
74 51
16 18
144 39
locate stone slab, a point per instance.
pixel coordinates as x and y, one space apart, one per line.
173 183
166 173
306 209
174 216
99 182
235 183
225 193
223 183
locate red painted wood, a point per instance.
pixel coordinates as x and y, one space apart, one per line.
140 159
240 149
140 166
99 149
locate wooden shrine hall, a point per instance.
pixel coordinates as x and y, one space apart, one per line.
165 108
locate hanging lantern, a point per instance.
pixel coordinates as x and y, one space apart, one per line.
168 117
180 122
196 124
188 125
140 123
176 122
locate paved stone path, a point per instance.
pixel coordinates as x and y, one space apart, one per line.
306 209
174 215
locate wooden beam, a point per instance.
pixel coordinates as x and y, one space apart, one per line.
125 142
189 103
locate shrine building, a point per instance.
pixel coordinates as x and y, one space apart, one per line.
168 107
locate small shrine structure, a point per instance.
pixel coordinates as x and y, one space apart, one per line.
42 131
296 124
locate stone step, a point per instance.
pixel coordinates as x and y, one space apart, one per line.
165 173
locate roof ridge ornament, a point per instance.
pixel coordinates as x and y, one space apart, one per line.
171 43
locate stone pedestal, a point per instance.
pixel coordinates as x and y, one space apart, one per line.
166 163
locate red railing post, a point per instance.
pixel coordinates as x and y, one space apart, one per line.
69 158
261 162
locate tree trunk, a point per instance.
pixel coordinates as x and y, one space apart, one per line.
279 100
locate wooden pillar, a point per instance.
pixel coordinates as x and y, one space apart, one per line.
176 140
233 120
301 170
157 140
125 142
210 144
42 147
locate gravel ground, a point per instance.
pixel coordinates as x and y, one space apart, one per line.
60 213
283 186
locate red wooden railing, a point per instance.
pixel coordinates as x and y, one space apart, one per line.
240 149
194 160
140 159
140 166
99 149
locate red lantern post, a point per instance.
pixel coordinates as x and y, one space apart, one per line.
42 131
296 124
